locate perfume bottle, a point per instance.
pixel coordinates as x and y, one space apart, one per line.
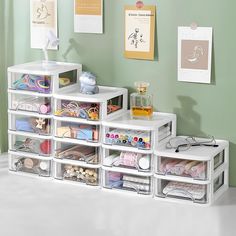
141 102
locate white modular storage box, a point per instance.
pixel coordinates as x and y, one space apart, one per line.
196 175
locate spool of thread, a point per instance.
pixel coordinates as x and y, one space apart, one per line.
144 162
44 165
29 163
45 108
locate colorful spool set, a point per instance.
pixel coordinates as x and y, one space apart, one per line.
138 139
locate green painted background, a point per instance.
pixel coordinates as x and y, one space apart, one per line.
201 109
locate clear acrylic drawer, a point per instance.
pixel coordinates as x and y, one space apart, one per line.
32 124
198 193
182 167
73 130
29 165
127 182
35 145
129 138
77 152
77 173
129 160
37 104
83 110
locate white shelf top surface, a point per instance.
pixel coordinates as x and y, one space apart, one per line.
104 94
194 152
43 67
126 122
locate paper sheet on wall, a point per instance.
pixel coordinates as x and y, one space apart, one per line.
88 16
194 54
139 32
43 14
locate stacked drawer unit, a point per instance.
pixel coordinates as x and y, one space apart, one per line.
198 174
128 147
77 132
31 87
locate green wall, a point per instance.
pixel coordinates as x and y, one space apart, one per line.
201 109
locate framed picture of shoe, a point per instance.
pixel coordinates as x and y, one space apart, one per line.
194 54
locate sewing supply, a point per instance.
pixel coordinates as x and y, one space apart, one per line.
29 163
144 162
64 81
46 147
43 165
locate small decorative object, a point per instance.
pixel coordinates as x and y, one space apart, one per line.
40 122
88 83
141 102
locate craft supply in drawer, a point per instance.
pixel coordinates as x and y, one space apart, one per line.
180 167
181 190
124 159
36 83
38 125
78 173
19 102
132 138
114 104
122 181
77 131
87 154
20 143
84 110
30 165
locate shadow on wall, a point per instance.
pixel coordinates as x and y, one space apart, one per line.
189 121
73 46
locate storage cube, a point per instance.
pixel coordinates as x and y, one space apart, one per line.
109 102
25 122
74 172
30 165
23 102
43 77
77 152
139 134
35 144
123 181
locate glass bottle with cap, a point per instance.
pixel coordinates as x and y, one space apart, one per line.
141 103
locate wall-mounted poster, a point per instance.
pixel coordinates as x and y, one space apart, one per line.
194 54
88 16
43 14
139 32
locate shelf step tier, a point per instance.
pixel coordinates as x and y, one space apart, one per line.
77 163
181 179
30 93
31 135
29 113
77 141
127 149
76 120
127 171
30 155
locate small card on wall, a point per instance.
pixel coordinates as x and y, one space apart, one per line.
43 15
140 32
88 16
194 54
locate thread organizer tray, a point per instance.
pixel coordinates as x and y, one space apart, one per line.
76 172
77 152
127 182
30 165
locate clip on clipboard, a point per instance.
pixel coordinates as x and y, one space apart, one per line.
193 26
139 4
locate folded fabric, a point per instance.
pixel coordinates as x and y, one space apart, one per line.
198 171
189 166
179 168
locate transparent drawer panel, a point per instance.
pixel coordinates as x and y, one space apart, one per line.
84 110
31 124
21 102
76 173
129 138
180 190
30 165
219 159
128 182
164 131
30 82
219 182
129 160
21 143
87 154
114 104
68 78
180 167
77 131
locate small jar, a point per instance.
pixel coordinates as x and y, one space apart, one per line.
141 103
